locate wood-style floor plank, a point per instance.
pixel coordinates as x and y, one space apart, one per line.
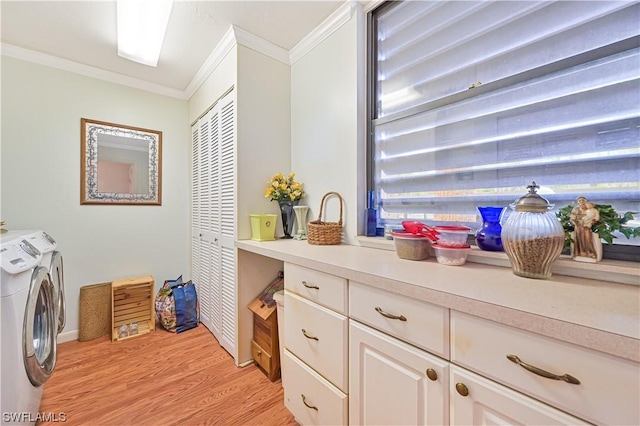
160 378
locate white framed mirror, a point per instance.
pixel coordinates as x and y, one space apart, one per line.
120 164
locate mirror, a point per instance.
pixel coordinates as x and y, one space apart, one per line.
120 164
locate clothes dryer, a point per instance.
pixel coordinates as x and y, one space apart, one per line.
52 260
28 327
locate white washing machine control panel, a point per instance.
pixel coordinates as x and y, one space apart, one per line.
18 256
42 241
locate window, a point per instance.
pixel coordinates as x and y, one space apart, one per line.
471 101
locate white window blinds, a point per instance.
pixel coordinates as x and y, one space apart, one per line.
474 100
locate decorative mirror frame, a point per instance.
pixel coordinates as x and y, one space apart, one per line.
90 130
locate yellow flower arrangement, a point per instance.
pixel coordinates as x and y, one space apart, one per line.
283 188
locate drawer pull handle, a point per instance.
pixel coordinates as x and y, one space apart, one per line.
462 389
304 401
540 372
390 316
307 336
431 374
304 283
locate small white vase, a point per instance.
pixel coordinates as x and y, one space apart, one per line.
301 219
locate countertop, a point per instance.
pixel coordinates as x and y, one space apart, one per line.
595 314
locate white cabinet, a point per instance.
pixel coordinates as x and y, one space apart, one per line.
591 385
413 321
311 398
394 383
214 219
318 336
315 367
478 401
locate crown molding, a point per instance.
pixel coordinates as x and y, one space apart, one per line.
221 50
88 70
337 19
261 45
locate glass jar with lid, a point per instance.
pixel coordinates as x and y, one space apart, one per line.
532 236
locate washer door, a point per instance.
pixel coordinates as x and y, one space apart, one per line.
38 331
57 280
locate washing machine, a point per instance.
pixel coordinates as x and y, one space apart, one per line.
52 260
28 330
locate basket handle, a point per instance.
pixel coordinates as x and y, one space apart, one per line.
322 206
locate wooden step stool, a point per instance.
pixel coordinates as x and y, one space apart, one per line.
264 346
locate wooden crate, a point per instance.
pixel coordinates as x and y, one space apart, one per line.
264 346
132 301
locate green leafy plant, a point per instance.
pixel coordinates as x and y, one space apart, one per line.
610 221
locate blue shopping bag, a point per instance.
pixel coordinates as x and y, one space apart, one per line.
187 307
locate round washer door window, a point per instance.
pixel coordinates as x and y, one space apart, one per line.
57 281
38 332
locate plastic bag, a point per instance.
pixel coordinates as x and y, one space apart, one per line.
177 307
187 308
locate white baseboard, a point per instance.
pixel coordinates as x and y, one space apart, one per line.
68 336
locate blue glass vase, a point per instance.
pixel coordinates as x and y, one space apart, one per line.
488 237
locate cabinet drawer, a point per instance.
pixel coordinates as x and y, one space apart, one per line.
261 356
318 336
608 392
324 289
483 402
309 397
425 325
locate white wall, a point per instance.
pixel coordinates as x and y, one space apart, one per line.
264 133
328 123
41 111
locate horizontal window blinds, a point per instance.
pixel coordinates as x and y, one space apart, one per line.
474 100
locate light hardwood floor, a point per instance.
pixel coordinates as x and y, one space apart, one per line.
160 378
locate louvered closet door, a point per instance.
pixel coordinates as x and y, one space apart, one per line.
228 220
214 221
202 228
196 252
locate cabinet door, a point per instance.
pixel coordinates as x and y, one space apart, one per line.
479 401
393 383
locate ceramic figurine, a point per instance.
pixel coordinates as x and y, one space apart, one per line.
587 246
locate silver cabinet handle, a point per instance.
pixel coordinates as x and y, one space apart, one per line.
307 336
540 372
304 283
390 316
304 401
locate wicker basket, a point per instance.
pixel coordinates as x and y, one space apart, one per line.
325 233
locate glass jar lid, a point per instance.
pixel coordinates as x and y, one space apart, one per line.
532 201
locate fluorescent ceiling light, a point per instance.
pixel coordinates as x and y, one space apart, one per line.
141 28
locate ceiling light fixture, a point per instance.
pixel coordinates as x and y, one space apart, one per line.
141 28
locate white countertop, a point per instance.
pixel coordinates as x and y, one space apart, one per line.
595 314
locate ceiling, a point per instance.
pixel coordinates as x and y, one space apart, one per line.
84 32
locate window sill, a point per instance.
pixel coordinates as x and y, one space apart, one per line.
616 271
